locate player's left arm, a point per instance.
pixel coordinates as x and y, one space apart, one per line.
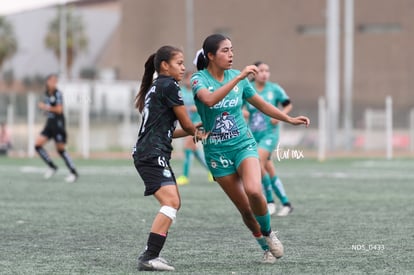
57 109
270 110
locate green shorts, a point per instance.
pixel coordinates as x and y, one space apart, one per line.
268 142
226 163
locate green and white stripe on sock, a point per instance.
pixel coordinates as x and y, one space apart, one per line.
278 188
267 188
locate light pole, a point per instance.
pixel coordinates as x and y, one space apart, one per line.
189 21
62 40
332 70
348 71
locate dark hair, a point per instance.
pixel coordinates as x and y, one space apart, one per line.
49 76
258 63
210 45
153 64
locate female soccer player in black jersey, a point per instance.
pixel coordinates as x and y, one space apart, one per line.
52 105
161 104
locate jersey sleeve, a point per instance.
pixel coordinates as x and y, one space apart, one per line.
198 82
248 90
281 95
59 98
172 94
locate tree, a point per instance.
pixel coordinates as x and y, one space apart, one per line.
8 42
76 40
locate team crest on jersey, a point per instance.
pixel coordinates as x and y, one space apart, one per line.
224 128
52 99
236 89
166 173
269 95
194 83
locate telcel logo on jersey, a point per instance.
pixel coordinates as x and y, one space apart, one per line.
225 103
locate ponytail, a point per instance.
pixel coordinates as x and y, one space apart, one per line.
153 64
145 83
202 61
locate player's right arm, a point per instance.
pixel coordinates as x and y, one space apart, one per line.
187 125
210 99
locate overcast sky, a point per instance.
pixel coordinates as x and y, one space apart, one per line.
14 6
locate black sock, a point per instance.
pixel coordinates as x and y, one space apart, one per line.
287 204
68 161
154 245
266 233
44 155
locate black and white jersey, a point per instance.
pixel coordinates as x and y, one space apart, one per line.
158 119
54 99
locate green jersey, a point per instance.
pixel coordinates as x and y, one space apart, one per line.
259 123
225 122
188 99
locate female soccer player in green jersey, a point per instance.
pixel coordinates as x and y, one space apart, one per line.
266 132
230 149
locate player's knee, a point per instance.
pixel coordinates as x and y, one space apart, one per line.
169 211
173 201
254 193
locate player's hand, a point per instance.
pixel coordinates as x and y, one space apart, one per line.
248 70
300 120
42 106
200 134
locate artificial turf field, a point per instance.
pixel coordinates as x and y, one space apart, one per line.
352 216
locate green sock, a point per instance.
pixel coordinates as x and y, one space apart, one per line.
200 157
267 188
262 242
278 188
187 162
264 222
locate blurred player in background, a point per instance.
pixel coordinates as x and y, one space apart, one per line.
266 132
160 103
52 105
230 149
5 139
190 148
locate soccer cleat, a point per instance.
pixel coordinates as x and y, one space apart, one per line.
182 180
284 211
71 178
271 207
157 264
275 246
268 258
50 172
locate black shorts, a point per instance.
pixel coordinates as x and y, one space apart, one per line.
155 172
55 131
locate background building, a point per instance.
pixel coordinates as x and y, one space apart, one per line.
290 36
